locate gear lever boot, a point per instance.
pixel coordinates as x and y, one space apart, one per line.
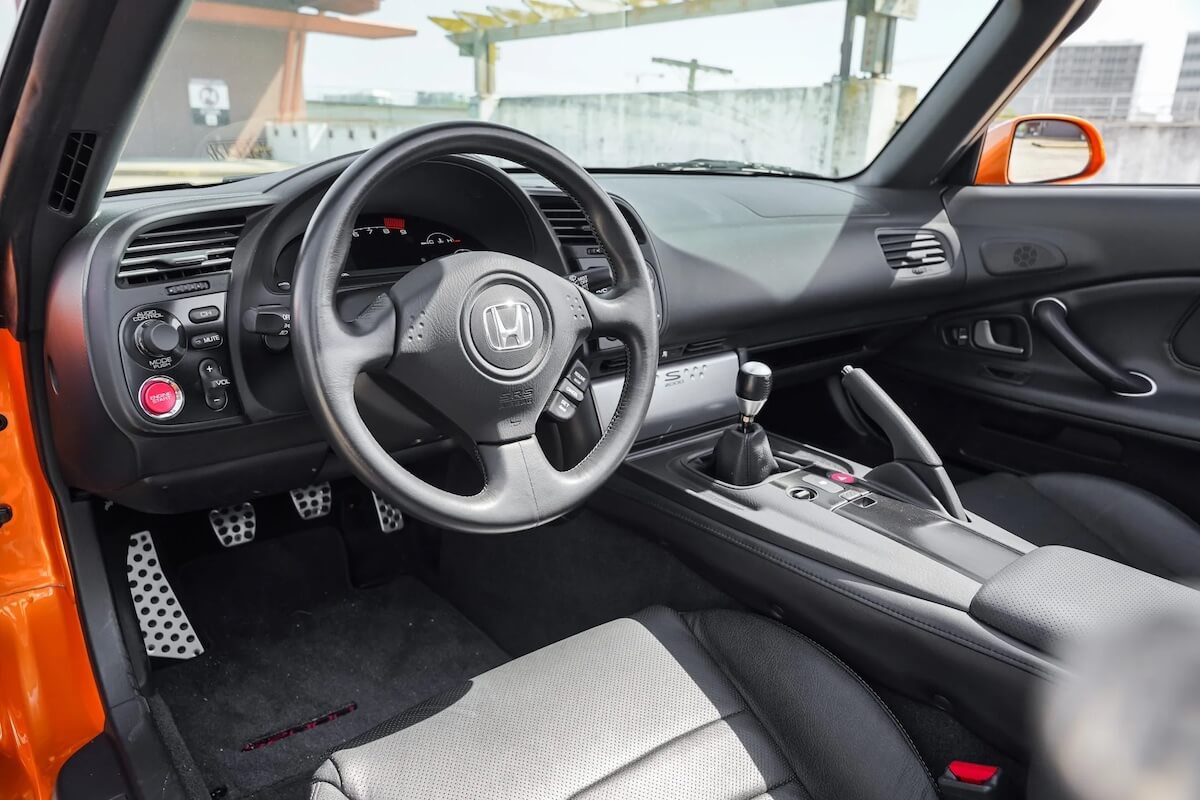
743 455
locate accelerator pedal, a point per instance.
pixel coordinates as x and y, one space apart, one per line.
233 525
390 518
166 630
313 502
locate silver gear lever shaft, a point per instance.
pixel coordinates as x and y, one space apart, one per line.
753 388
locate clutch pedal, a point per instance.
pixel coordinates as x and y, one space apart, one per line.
390 518
233 525
313 502
166 630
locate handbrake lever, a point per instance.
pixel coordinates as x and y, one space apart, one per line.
916 469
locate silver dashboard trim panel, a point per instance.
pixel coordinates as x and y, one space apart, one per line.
686 394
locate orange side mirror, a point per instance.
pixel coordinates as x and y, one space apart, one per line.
1040 148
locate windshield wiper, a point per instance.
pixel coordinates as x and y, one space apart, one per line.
726 166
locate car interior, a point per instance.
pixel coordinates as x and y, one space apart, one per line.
451 468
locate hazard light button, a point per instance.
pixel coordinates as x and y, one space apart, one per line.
160 397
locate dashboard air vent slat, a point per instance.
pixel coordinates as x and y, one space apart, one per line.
182 250
915 248
72 167
570 224
706 346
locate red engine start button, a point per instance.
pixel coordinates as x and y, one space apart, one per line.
161 397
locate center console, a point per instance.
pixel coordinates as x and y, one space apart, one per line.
881 564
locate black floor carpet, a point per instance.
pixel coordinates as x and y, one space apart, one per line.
288 640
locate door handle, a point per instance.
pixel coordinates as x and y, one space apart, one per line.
984 339
1050 314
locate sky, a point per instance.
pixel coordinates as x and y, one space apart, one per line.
796 46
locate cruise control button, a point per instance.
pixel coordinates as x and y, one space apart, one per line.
571 390
579 376
560 408
205 341
205 314
160 397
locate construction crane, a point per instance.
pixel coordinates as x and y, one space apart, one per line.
692 67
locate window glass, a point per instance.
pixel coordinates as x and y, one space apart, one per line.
1132 70
765 85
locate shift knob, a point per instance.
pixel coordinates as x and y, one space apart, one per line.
753 387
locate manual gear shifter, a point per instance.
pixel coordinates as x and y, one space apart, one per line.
743 455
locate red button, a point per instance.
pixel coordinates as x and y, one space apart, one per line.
158 397
842 477
974 774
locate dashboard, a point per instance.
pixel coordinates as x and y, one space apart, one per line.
392 243
171 380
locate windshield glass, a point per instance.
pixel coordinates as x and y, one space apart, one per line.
756 86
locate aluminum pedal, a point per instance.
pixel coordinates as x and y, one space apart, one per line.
390 518
233 525
166 630
313 502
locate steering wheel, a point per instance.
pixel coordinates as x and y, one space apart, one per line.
484 337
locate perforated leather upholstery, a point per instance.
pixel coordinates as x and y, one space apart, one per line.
1099 515
717 705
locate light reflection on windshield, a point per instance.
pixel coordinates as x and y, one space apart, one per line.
250 88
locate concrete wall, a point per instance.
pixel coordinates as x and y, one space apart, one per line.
1151 153
249 60
360 127
833 129
780 126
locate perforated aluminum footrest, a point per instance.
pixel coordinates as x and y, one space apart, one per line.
313 502
166 630
233 525
390 518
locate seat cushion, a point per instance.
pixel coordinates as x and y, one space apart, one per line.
714 705
1102 516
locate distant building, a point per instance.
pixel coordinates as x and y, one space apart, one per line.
1186 105
1094 81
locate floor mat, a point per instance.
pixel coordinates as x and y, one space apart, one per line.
289 641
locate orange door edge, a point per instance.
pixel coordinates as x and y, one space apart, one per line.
50 705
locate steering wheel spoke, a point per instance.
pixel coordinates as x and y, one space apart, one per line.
520 472
365 344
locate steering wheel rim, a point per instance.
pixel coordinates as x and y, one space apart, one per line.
429 332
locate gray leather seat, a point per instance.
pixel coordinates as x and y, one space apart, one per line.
1086 512
712 705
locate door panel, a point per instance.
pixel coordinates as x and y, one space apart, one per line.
1003 397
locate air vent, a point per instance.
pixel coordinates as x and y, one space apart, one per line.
183 250
571 225
706 346
72 167
614 363
909 249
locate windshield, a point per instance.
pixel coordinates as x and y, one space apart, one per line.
767 87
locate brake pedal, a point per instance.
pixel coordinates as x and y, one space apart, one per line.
166 630
313 502
390 518
233 525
